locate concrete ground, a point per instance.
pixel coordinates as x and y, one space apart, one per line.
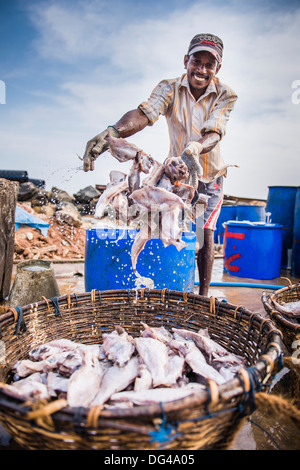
263 433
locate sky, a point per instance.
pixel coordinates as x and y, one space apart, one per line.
70 68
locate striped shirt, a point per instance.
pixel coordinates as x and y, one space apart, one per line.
189 119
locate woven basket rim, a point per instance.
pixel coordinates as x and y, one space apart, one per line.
235 387
267 303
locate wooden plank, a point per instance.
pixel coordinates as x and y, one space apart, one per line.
8 201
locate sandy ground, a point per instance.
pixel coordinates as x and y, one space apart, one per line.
277 434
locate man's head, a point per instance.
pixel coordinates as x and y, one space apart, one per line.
209 43
203 61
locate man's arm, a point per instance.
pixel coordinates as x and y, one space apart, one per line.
132 122
209 141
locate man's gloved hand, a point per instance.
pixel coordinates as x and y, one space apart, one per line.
190 156
96 146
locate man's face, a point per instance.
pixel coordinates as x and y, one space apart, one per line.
201 68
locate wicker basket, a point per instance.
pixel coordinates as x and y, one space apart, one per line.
206 420
290 330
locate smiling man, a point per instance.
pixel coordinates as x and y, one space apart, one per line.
197 107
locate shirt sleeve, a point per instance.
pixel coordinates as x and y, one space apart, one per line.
218 117
159 102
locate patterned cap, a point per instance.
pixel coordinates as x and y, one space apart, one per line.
209 43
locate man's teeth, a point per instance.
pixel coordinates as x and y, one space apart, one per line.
199 79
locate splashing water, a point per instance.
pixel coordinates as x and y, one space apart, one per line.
63 174
72 172
142 281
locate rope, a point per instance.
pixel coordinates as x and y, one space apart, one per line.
21 325
93 415
163 294
46 300
56 306
212 305
223 300
165 431
42 411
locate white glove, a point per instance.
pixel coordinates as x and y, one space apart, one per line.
194 148
190 156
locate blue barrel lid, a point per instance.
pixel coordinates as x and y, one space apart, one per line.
248 224
285 187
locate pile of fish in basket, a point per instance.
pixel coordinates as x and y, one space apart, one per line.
133 369
283 306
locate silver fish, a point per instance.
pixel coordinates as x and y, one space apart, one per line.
118 347
160 333
121 149
154 395
116 378
185 346
185 192
151 197
71 362
229 372
56 384
165 183
134 178
141 238
155 356
197 362
43 351
144 379
144 162
84 383
156 174
25 367
227 360
290 309
176 170
171 229
116 177
30 387
203 342
175 369
107 196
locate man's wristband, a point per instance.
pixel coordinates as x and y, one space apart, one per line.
115 130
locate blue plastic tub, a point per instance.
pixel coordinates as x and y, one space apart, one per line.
251 213
252 249
296 238
108 261
281 205
227 213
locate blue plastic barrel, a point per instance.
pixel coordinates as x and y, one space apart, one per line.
252 249
226 213
108 261
281 205
251 213
296 237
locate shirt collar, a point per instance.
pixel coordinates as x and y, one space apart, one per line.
210 89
